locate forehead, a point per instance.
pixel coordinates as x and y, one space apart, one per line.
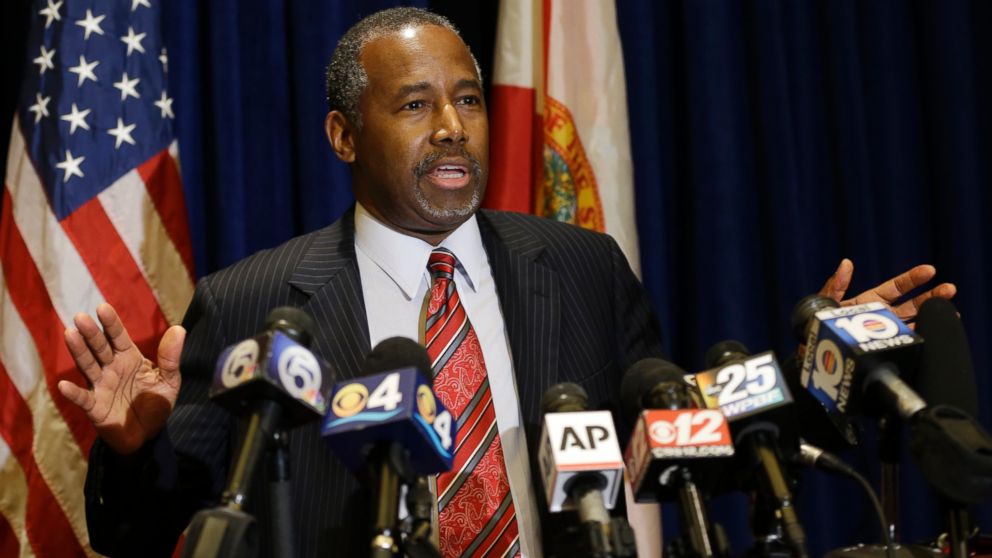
425 53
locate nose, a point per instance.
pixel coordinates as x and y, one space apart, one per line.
449 128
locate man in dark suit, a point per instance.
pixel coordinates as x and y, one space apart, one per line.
408 115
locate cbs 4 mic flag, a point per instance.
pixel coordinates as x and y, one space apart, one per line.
560 139
93 211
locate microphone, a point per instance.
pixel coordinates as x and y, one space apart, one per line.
859 349
389 428
393 404
275 365
582 468
673 447
753 395
947 375
856 350
950 446
276 382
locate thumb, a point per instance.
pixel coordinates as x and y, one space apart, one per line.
169 349
838 283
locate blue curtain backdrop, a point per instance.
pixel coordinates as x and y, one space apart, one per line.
771 139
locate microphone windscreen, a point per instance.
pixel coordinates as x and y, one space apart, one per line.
725 351
805 309
295 323
641 379
395 353
947 376
564 397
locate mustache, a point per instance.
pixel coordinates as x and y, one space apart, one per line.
433 157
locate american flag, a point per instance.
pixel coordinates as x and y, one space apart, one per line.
92 211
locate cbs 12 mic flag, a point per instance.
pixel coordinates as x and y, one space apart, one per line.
93 211
560 139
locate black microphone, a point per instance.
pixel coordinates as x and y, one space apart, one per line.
582 469
673 448
947 375
950 446
389 428
277 383
753 395
858 351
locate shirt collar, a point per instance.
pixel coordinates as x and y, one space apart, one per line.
404 258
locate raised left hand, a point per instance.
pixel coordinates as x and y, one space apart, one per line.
889 292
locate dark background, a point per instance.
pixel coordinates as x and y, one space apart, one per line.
770 139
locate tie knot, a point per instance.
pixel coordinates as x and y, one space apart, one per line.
441 264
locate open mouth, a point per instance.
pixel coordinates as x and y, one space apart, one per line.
449 176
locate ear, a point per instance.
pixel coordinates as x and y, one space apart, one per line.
340 134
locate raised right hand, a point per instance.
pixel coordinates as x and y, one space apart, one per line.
130 397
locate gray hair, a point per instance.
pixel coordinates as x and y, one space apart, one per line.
346 78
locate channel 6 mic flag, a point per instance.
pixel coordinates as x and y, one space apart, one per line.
93 212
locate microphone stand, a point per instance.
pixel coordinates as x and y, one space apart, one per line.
385 463
698 539
417 526
389 465
280 496
602 536
889 454
227 531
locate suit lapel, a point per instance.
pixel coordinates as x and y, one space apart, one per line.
328 275
530 300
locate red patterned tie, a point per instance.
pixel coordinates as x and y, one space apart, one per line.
475 508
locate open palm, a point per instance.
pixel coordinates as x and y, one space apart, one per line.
130 397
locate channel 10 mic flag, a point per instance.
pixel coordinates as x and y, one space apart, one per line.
93 212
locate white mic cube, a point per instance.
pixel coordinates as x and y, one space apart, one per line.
576 443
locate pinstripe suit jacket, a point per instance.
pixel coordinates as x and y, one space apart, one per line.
573 312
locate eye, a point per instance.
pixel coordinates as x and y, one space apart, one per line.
414 105
469 100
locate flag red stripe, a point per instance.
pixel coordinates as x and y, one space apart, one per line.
9 545
48 528
27 292
116 274
161 177
512 146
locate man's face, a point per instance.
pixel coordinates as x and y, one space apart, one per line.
422 156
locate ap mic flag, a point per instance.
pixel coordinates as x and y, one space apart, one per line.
560 145
93 212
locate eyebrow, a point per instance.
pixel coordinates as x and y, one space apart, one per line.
418 87
412 88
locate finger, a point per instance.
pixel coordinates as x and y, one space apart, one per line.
837 285
891 290
83 357
169 350
908 309
94 338
114 328
81 397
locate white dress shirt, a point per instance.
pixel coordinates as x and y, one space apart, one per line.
395 280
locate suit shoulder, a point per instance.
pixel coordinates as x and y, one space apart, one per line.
515 227
261 270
